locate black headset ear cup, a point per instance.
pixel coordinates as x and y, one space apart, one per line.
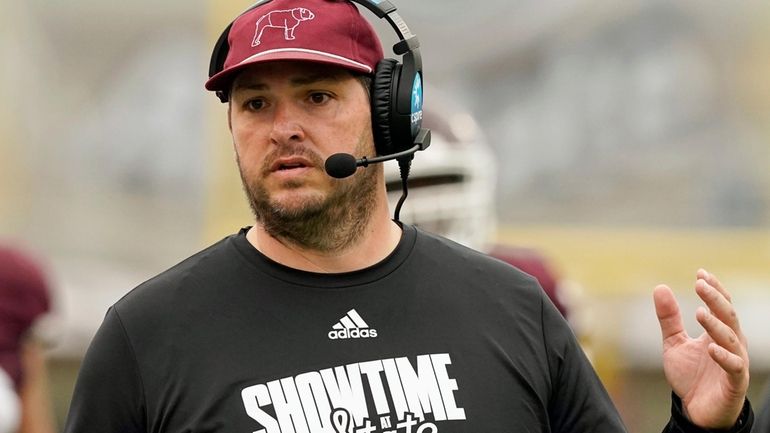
382 104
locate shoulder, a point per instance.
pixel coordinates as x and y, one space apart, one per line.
447 253
458 265
183 281
472 287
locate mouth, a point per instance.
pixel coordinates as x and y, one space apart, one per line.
288 164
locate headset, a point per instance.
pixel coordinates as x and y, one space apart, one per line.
397 88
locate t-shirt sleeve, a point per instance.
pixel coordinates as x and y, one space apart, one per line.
579 402
108 394
680 424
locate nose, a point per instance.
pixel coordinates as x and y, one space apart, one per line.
287 124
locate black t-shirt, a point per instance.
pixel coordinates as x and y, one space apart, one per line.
435 338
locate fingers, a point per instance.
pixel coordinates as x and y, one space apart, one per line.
717 299
721 333
728 348
736 367
667 310
730 362
714 282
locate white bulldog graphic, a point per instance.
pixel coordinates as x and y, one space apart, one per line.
288 20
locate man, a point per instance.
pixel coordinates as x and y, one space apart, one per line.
328 316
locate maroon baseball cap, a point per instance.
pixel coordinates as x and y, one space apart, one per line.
323 31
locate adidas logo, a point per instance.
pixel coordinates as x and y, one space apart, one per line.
351 326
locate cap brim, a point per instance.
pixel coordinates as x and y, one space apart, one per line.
223 79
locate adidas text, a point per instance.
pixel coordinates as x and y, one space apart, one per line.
343 334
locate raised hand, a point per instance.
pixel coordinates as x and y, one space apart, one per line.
709 373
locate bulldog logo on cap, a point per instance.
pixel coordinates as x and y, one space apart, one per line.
288 20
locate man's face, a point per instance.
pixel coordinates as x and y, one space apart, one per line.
286 118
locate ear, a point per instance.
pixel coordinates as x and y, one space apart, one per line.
229 116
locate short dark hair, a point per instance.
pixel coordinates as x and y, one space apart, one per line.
366 81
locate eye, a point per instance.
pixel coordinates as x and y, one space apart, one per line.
319 98
255 104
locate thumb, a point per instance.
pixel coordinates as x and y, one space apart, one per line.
667 310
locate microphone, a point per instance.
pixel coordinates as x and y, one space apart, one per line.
342 165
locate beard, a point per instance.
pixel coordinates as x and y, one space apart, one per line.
328 223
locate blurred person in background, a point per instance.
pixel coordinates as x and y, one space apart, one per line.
24 299
451 193
328 315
